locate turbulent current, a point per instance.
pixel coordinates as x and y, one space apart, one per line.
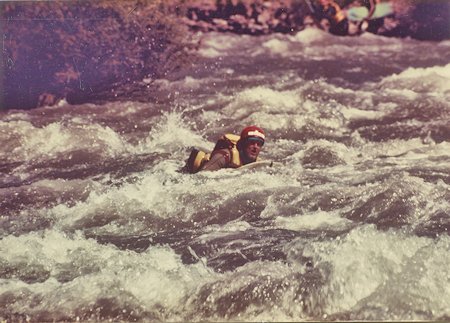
98 222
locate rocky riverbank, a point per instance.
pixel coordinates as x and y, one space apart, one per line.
85 51
425 20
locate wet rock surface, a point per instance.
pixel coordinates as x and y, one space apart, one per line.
74 50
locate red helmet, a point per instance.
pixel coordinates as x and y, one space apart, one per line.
253 132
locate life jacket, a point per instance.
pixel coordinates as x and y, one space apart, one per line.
229 141
198 158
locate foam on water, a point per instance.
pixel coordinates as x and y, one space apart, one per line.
443 71
309 36
215 231
214 47
135 207
314 221
421 80
413 148
56 139
351 224
43 194
151 202
353 113
356 276
77 273
277 46
337 153
49 140
263 99
171 134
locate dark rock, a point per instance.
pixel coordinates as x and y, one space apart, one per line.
53 50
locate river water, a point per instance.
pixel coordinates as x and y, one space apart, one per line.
352 222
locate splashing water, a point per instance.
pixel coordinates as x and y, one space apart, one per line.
99 223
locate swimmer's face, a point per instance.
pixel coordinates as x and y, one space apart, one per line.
252 147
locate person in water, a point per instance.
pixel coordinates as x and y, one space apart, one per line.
371 25
245 151
331 17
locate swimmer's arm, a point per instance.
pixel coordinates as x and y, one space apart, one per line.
217 161
372 9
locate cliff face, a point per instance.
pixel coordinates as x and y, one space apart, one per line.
73 49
